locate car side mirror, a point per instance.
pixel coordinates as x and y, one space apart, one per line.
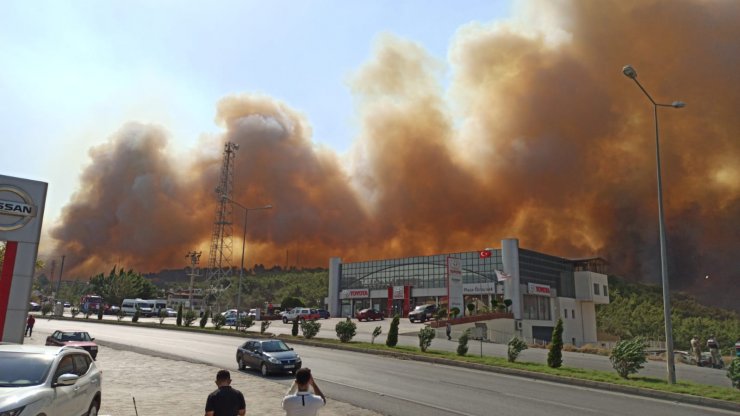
92 339
291 348
67 380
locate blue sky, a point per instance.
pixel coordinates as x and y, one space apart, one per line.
74 71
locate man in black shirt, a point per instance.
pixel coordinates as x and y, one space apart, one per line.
225 401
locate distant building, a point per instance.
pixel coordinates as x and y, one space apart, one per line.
182 297
542 288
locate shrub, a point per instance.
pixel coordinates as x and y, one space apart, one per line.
346 330
162 315
294 330
555 356
218 321
462 343
264 325
100 313
392 338
75 312
516 346
426 335
507 304
290 302
441 314
179 315
471 308
309 329
245 322
733 372
454 312
120 315
189 317
45 309
628 356
204 319
377 331
87 313
136 316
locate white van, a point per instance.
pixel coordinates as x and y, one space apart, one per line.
157 305
129 306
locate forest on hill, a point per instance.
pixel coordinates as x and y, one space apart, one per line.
636 309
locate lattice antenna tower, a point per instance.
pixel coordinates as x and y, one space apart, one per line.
219 259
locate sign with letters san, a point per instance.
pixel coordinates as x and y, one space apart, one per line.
355 293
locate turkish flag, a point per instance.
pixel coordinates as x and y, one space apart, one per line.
485 254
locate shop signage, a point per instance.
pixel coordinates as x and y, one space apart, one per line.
455 284
480 288
355 293
398 292
16 208
535 289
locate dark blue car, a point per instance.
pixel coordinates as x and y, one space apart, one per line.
323 314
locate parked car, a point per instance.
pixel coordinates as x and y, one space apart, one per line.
268 356
301 314
230 316
33 306
169 312
71 338
323 313
368 314
111 310
423 313
67 304
38 380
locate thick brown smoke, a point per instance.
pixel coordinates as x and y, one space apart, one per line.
538 136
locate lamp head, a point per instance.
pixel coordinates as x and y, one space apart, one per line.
678 104
629 71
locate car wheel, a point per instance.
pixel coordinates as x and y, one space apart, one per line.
242 364
285 320
93 410
423 318
263 369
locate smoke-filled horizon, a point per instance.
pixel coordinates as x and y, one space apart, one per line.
537 136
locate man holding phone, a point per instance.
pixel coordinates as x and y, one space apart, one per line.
303 402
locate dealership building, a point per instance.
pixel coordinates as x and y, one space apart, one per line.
541 287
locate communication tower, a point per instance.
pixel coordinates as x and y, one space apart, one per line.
219 258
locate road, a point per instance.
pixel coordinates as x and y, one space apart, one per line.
396 387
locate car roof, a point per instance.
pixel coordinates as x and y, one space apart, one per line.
70 330
31 349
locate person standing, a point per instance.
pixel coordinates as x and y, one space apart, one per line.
696 349
449 331
713 346
303 403
29 324
226 400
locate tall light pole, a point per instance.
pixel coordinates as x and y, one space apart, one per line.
244 244
630 72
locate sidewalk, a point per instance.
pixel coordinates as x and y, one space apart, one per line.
162 386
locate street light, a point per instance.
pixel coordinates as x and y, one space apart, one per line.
244 243
630 72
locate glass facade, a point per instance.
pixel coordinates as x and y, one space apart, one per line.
419 272
544 269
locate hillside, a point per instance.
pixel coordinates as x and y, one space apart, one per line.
636 309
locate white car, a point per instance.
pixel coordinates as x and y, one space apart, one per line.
38 380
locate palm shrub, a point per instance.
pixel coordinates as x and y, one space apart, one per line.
377 331
100 313
346 330
136 316
162 314
294 330
426 335
555 356
218 321
628 356
204 319
264 325
189 317
179 315
733 372
309 329
392 338
516 345
462 343
454 312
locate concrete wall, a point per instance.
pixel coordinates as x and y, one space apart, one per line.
572 320
588 314
585 287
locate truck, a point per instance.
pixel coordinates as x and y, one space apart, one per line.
90 303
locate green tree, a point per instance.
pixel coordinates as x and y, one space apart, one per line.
426 335
392 338
162 315
471 308
178 321
309 329
376 332
733 372
462 343
346 330
515 347
294 330
290 302
628 356
204 318
121 284
100 313
555 356
136 316
245 322
189 318
264 325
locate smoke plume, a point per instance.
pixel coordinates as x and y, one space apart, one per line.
535 135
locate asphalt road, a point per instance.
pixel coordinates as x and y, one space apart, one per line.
396 387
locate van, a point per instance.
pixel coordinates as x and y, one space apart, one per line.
129 307
157 305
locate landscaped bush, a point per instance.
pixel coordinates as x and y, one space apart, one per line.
135 318
555 356
377 331
179 315
733 372
628 356
100 312
264 325
454 312
441 314
471 308
294 330
204 318
245 322
507 304
462 343
392 338
516 346
75 312
189 317
346 330
426 335
45 309
120 315
309 329
218 321
162 315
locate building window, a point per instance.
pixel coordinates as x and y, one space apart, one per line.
605 291
573 315
565 311
537 308
596 288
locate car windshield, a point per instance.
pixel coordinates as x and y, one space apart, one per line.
19 369
420 308
75 336
274 346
